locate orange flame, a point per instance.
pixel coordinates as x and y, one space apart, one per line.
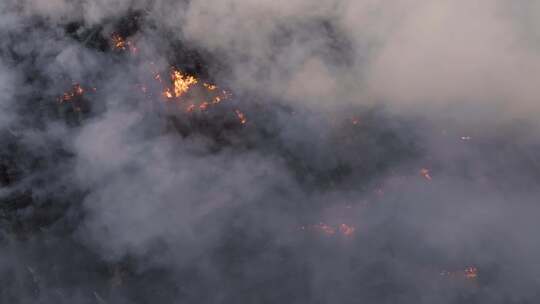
167 93
210 87
120 43
203 106
180 89
182 83
188 87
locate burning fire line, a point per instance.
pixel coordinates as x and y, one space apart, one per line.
181 84
183 87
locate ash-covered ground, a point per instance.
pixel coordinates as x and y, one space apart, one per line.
269 151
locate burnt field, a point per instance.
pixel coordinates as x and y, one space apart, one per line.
233 152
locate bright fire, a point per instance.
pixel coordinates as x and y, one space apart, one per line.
346 230
182 83
201 95
182 86
210 87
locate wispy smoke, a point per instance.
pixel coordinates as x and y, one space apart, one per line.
364 151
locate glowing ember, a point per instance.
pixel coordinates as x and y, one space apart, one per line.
168 93
468 273
203 106
119 43
210 87
241 116
185 87
471 272
346 230
182 83
426 174
342 229
77 90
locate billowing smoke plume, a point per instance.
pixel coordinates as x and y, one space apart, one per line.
293 151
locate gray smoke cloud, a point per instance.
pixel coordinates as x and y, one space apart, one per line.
410 54
7 84
389 147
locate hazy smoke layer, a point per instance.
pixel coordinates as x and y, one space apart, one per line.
364 151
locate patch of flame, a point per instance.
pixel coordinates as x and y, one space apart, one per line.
188 87
76 90
167 93
209 86
203 106
182 88
346 230
469 273
120 43
182 83
241 116
426 174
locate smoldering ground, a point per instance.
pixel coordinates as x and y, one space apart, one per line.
389 152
